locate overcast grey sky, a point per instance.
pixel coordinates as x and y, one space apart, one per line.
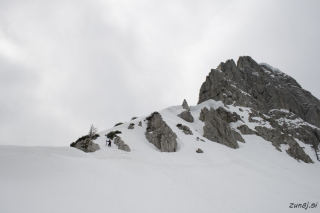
67 64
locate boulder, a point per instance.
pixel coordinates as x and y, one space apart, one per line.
131 126
186 115
199 151
87 145
160 134
121 145
186 130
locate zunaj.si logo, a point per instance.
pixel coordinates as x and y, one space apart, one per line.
303 205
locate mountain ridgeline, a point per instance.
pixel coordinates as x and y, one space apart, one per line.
273 97
237 102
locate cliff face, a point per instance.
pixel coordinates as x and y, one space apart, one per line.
261 87
273 97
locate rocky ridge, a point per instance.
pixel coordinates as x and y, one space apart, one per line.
237 100
273 97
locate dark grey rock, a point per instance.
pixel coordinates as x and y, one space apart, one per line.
219 130
186 115
278 138
160 134
186 130
140 123
121 145
238 136
275 136
87 145
297 152
259 87
185 105
245 130
227 116
199 139
199 151
131 126
304 133
263 88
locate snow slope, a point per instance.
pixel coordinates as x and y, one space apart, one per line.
253 178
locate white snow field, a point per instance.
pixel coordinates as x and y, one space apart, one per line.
254 178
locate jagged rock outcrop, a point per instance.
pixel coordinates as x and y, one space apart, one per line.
121 145
245 130
218 129
131 126
160 134
290 123
274 98
186 115
186 130
261 87
199 151
185 105
297 152
227 116
86 145
276 137
140 123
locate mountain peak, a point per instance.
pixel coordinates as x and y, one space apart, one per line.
272 96
259 86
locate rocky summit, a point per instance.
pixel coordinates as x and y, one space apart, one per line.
273 97
237 103
261 87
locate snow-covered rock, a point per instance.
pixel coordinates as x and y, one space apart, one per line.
160 134
121 145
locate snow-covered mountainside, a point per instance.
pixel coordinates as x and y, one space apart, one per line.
274 98
222 155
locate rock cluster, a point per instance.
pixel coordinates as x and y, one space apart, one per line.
121 145
261 87
160 134
297 152
186 130
217 127
186 115
87 145
273 97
